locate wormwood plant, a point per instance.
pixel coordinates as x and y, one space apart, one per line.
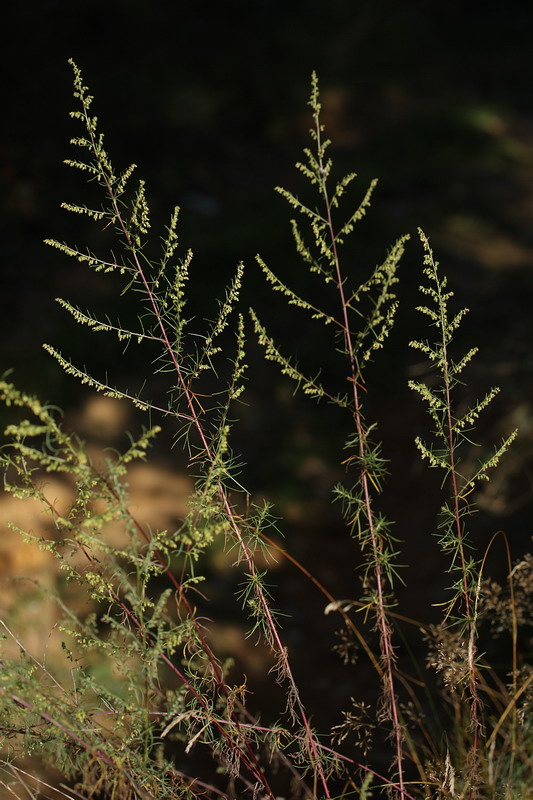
141 705
359 334
467 767
150 633
452 430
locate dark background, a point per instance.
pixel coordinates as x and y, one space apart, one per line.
434 99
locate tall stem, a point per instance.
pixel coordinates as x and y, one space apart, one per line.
383 625
469 612
226 504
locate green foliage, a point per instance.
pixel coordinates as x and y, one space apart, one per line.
139 704
363 321
451 430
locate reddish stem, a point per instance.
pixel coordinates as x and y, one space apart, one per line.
384 628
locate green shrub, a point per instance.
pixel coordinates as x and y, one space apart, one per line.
140 704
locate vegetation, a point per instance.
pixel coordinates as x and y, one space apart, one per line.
140 703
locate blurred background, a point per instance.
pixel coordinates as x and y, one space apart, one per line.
433 99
